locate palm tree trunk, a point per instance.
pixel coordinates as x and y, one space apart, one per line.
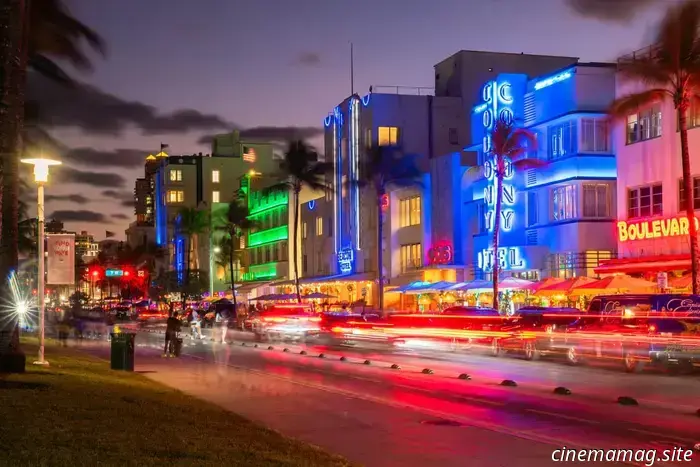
689 198
188 271
14 28
496 231
295 247
233 273
380 254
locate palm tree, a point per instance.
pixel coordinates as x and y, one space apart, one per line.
671 70
237 221
301 168
510 147
190 222
386 168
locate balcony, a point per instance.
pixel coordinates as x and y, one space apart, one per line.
263 237
640 54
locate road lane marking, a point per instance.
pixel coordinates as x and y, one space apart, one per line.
566 417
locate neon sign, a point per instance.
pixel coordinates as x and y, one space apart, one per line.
346 257
498 104
385 202
508 258
654 228
114 273
311 205
545 83
440 254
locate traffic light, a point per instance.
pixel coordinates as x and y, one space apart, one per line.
126 273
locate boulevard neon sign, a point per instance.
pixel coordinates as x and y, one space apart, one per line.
654 228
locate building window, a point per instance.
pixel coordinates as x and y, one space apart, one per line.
215 197
595 135
304 264
562 140
368 138
564 202
453 136
409 211
330 226
693 118
596 200
388 136
175 175
215 176
696 194
411 257
481 214
303 230
175 196
645 201
644 125
531 209
319 226
284 254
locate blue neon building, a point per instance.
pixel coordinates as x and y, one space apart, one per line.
558 216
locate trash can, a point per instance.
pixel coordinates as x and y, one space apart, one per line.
122 351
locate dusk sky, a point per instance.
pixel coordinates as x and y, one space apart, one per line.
267 63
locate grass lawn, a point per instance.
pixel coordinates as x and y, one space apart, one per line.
79 412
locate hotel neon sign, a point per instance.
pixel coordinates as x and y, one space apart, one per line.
653 228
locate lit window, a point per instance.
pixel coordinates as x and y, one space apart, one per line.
595 135
696 194
562 139
175 175
388 136
319 226
411 257
215 197
564 203
596 200
175 196
644 125
215 176
409 211
645 201
303 230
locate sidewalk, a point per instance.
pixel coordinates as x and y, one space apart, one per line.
365 432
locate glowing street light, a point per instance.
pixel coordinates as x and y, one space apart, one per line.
41 176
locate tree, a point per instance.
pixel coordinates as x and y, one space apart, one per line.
385 168
671 71
35 36
510 147
236 222
301 168
190 222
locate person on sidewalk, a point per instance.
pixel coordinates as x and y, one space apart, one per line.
196 325
171 331
222 324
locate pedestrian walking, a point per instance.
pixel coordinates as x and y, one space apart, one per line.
172 328
196 325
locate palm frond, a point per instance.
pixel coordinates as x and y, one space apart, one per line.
631 103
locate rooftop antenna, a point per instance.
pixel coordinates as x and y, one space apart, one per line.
352 70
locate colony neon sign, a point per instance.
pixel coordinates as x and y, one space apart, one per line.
498 104
654 228
509 258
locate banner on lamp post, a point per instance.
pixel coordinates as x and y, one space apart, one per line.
60 259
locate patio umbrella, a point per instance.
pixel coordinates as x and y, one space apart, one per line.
265 297
563 288
475 286
430 288
318 295
411 286
614 284
547 282
514 283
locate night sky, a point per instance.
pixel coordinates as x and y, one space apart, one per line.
178 70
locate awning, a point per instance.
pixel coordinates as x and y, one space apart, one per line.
661 263
247 287
364 276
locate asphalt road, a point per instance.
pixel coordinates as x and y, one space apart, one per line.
441 403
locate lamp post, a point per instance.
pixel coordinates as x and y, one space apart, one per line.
213 250
41 176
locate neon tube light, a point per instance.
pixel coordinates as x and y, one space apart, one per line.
268 236
545 83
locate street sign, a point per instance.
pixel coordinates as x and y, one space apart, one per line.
114 273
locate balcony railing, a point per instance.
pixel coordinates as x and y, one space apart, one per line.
640 54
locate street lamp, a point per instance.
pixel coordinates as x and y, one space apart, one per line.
212 252
41 176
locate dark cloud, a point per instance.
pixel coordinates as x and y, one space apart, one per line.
78 216
127 158
273 133
97 112
611 10
310 59
77 199
120 195
120 216
128 203
98 179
